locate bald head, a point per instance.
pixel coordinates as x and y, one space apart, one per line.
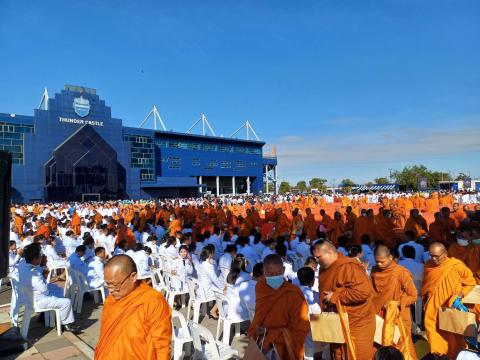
438 252
325 252
273 260
438 246
273 265
383 256
122 263
382 250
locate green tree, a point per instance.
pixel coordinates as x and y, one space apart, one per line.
369 183
318 183
410 175
462 176
284 187
302 186
347 184
381 180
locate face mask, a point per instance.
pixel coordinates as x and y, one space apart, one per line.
275 281
212 261
476 241
462 242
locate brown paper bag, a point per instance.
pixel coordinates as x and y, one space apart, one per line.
379 330
253 351
326 327
456 321
473 297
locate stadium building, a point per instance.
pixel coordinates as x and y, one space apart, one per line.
72 149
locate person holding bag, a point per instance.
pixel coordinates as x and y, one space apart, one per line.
281 322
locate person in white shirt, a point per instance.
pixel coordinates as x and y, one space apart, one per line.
14 236
53 258
181 268
225 261
246 290
170 248
342 245
415 267
269 248
258 245
13 256
152 244
75 261
160 229
209 277
70 242
31 278
142 261
95 269
281 250
410 241
90 248
121 248
236 277
303 249
367 258
245 249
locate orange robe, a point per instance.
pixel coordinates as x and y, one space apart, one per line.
395 283
350 221
419 227
137 326
337 229
175 225
352 288
458 216
76 222
436 232
363 225
282 226
284 308
310 227
18 221
384 231
43 230
441 285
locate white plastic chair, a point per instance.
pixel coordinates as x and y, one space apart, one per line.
171 291
226 320
181 335
210 349
26 299
80 287
158 283
197 298
53 267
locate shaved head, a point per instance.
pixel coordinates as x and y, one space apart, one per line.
121 276
437 246
438 252
325 252
383 256
122 263
273 265
382 250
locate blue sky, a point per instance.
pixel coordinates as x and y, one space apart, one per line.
342 88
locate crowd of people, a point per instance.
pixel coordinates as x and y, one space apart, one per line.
281 261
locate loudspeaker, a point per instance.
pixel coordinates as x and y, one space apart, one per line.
5 191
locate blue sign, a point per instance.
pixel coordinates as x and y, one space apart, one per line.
81 106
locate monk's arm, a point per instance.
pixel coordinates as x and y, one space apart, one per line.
355 287
410 293
160 319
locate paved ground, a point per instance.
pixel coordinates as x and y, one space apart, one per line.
45 344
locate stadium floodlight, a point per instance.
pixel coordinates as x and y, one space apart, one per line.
248 127
156 118
203 119
43 105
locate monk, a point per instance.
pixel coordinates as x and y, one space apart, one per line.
436 230
416 223
125 233
337 228
344 283
384 228
18 222
392 282
136 320
76 223
282 225
364 225
350 219
309 225
458 214
281 312
444 280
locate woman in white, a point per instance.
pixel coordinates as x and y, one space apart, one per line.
236 280
209 277
53 258
181 268
169 248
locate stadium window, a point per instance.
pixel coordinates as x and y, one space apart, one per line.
225 164
195 161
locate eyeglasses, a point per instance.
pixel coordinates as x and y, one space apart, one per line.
437 256
112 288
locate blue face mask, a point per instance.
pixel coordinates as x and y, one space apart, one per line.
275 281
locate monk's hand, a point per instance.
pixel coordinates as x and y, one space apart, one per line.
327 296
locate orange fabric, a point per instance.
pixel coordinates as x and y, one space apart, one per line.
137 326
76 223
18 221
458 216
310 227
282 226
393 318
43 230
418 226
436 232
175 225
384 231
395 283
363 225
353 290
282 308
441 285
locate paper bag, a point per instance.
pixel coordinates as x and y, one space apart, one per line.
253 351
326 327
473 297
379 330
456 321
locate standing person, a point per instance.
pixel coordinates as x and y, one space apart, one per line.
344 283
392 282
136 320
445 279
281 312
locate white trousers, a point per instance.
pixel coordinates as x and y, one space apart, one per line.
64 304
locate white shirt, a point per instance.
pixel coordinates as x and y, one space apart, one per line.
418 250
303 249
32 276
415 268
224 264
267 252
95 272
182 268
152 246
250 254
118 251
141 260
76 263
246 291
238 309
209 278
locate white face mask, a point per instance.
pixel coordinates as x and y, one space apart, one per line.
462 242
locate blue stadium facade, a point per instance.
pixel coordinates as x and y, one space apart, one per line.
74 147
